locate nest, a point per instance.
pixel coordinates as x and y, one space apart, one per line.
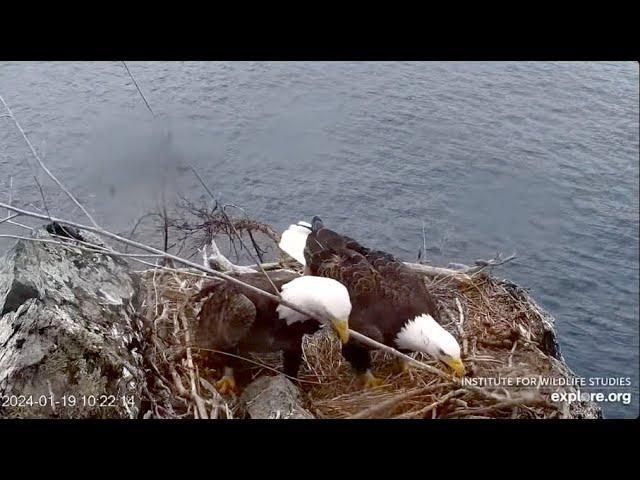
503 333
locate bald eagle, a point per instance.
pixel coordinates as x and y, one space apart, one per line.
391 303
237 320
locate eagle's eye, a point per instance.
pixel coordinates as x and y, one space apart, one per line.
441 352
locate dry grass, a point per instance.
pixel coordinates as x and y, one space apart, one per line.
502 333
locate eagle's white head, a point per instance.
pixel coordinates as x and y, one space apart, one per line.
424 334
325 297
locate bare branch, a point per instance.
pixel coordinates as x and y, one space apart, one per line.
438 272
203 183
223 262
21 225
525 399
358 336
429 408
44 201
494 262
44 167
463 336
253 362
422 252
235 230
393 401
138 88
137 224
78 247
10 191
202 411
258 261
8 218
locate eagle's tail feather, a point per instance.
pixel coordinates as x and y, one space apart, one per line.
294 239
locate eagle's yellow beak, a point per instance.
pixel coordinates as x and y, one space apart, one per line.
457 366
341 326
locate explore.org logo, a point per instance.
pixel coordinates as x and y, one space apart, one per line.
578 396
600 389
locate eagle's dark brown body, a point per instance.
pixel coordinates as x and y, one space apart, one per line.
384 292
235 319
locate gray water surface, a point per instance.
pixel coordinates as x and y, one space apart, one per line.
537 158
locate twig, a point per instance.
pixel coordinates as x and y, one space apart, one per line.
258 261
137 224
217 400
427 409
224 213
71 246
202 411
523 400
44 167
266 266
256 247
494 262
138 88
422 253
463 336
202 182
8 218
44 201
171 269
438 272
21 225
178 383
10 192
380 346
165 220
223 262
383 406
259 364
155 289
513 349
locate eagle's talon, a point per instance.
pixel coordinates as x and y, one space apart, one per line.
369 380
401 367
227 384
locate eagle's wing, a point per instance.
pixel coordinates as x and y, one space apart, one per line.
365 271
405 286
225 317
354 245
328 255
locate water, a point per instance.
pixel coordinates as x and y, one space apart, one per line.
540 158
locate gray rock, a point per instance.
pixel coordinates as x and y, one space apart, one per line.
68 330
271 397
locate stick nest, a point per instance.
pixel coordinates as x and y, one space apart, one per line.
502 331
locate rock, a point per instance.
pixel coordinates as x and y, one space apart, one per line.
68 331
271 397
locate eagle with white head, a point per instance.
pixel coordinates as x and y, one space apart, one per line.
390 302
235 319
